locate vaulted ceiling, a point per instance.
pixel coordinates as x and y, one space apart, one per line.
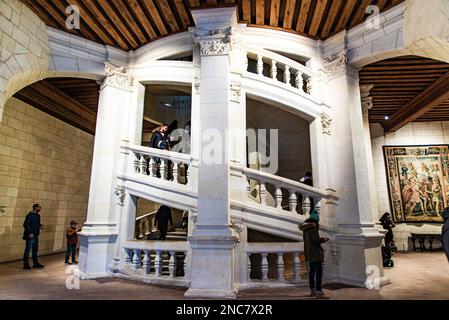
130 24
406 89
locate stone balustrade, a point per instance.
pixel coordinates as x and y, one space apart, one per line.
281 69
274 261
157 259
300 196
145 225
161 164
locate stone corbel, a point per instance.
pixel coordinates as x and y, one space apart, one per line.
117 77
367 101
326 122
120 192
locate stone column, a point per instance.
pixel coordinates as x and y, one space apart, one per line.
357 240
212 241
99 234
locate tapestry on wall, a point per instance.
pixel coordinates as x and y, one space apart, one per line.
418 182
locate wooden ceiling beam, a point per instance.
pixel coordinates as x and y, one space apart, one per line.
288 15
168 15
246 7
111 12
131 22
260 12
317 17
360 13
183 14
303 14
434 95
346 14
152 10
274 12
331 17
143 20
59 96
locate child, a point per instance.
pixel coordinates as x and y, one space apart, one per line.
72 241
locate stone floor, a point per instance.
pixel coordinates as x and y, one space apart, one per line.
415 276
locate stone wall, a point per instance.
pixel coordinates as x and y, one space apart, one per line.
24 48
42 160
417 133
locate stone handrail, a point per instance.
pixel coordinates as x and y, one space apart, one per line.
160 164
298 193
280 250
295 74
139 256
144 225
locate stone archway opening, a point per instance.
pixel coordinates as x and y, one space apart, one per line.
46 143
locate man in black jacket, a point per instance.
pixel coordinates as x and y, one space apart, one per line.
32 226
163 216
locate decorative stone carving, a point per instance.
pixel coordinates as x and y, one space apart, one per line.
117 77
367 101
335 66
197 85
119 191
236 92
326 122
214 42
238 226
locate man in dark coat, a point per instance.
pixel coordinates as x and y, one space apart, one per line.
314 253
445 232
159 138
163 216
32 226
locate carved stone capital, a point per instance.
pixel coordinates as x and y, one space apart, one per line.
214 42
117 77
120 192
326 122
238 226
367 101
334 66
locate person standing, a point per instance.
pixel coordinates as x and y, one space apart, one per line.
159 141
314 253
33 227
163 216
445 232
72 241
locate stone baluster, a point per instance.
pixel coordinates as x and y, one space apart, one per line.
246 62
292 200
129 255
164 170
158 263
299 81
263 193
296 266
278 198
309 86
153 167
264 266
186 266
280 266
143 165
287 74
259 65
147 262
305 204
137 259
172 264
318 205
249 266
136 163
274 69
175 172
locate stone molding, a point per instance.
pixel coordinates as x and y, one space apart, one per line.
117 77
236 92
335 66
120 192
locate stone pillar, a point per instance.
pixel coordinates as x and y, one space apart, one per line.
100 231
357 240
212 242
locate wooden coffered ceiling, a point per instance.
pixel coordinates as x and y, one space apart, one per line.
407 89
130 24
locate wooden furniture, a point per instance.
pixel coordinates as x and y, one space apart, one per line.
422 237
